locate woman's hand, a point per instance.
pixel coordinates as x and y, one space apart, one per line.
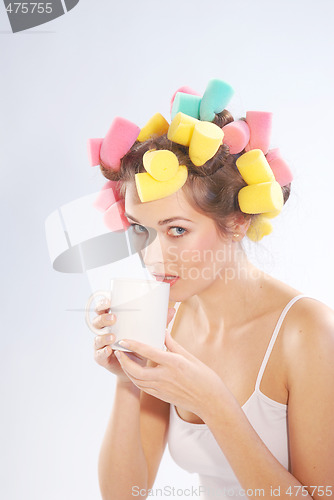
104 355
178 377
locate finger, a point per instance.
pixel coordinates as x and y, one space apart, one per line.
175 347
104 320
142 385
134 370
101 355
104 340
136 358
170 314
145 350
102 306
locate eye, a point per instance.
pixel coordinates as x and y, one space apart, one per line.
177 233
138 229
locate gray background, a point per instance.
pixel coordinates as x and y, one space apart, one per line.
64 82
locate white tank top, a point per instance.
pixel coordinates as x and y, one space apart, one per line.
194 448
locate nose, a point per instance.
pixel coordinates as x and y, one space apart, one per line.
153 253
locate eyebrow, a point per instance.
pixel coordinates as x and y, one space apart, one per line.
161 222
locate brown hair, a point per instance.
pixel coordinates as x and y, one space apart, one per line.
211 189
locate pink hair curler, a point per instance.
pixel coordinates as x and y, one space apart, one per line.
119 139
93 148
280 168
114 217
260 123
108 195
236 135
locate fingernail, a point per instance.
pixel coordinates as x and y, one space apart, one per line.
110 317
123 343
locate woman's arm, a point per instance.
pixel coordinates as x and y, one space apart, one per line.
136 434
133 443
310 420
311 400
122 462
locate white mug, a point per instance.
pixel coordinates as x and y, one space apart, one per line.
140 307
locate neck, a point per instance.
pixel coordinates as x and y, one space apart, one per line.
234 297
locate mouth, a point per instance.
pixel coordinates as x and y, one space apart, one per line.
166 278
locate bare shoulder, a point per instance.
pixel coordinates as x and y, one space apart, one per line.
307 331
308 321
311 320
308 335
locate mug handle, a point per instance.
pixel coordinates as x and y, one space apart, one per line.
98 293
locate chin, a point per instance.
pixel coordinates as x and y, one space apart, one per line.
179 295
190 288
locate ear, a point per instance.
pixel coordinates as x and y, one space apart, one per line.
239 224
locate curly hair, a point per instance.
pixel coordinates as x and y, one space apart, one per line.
211 189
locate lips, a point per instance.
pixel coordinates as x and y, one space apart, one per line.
161 277
166 278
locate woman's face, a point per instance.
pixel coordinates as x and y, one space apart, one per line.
173 239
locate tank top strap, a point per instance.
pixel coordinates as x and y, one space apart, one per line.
176 307
274 337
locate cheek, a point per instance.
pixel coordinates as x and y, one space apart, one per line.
198 262
206 241
196 251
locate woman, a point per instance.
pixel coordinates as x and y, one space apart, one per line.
244 394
